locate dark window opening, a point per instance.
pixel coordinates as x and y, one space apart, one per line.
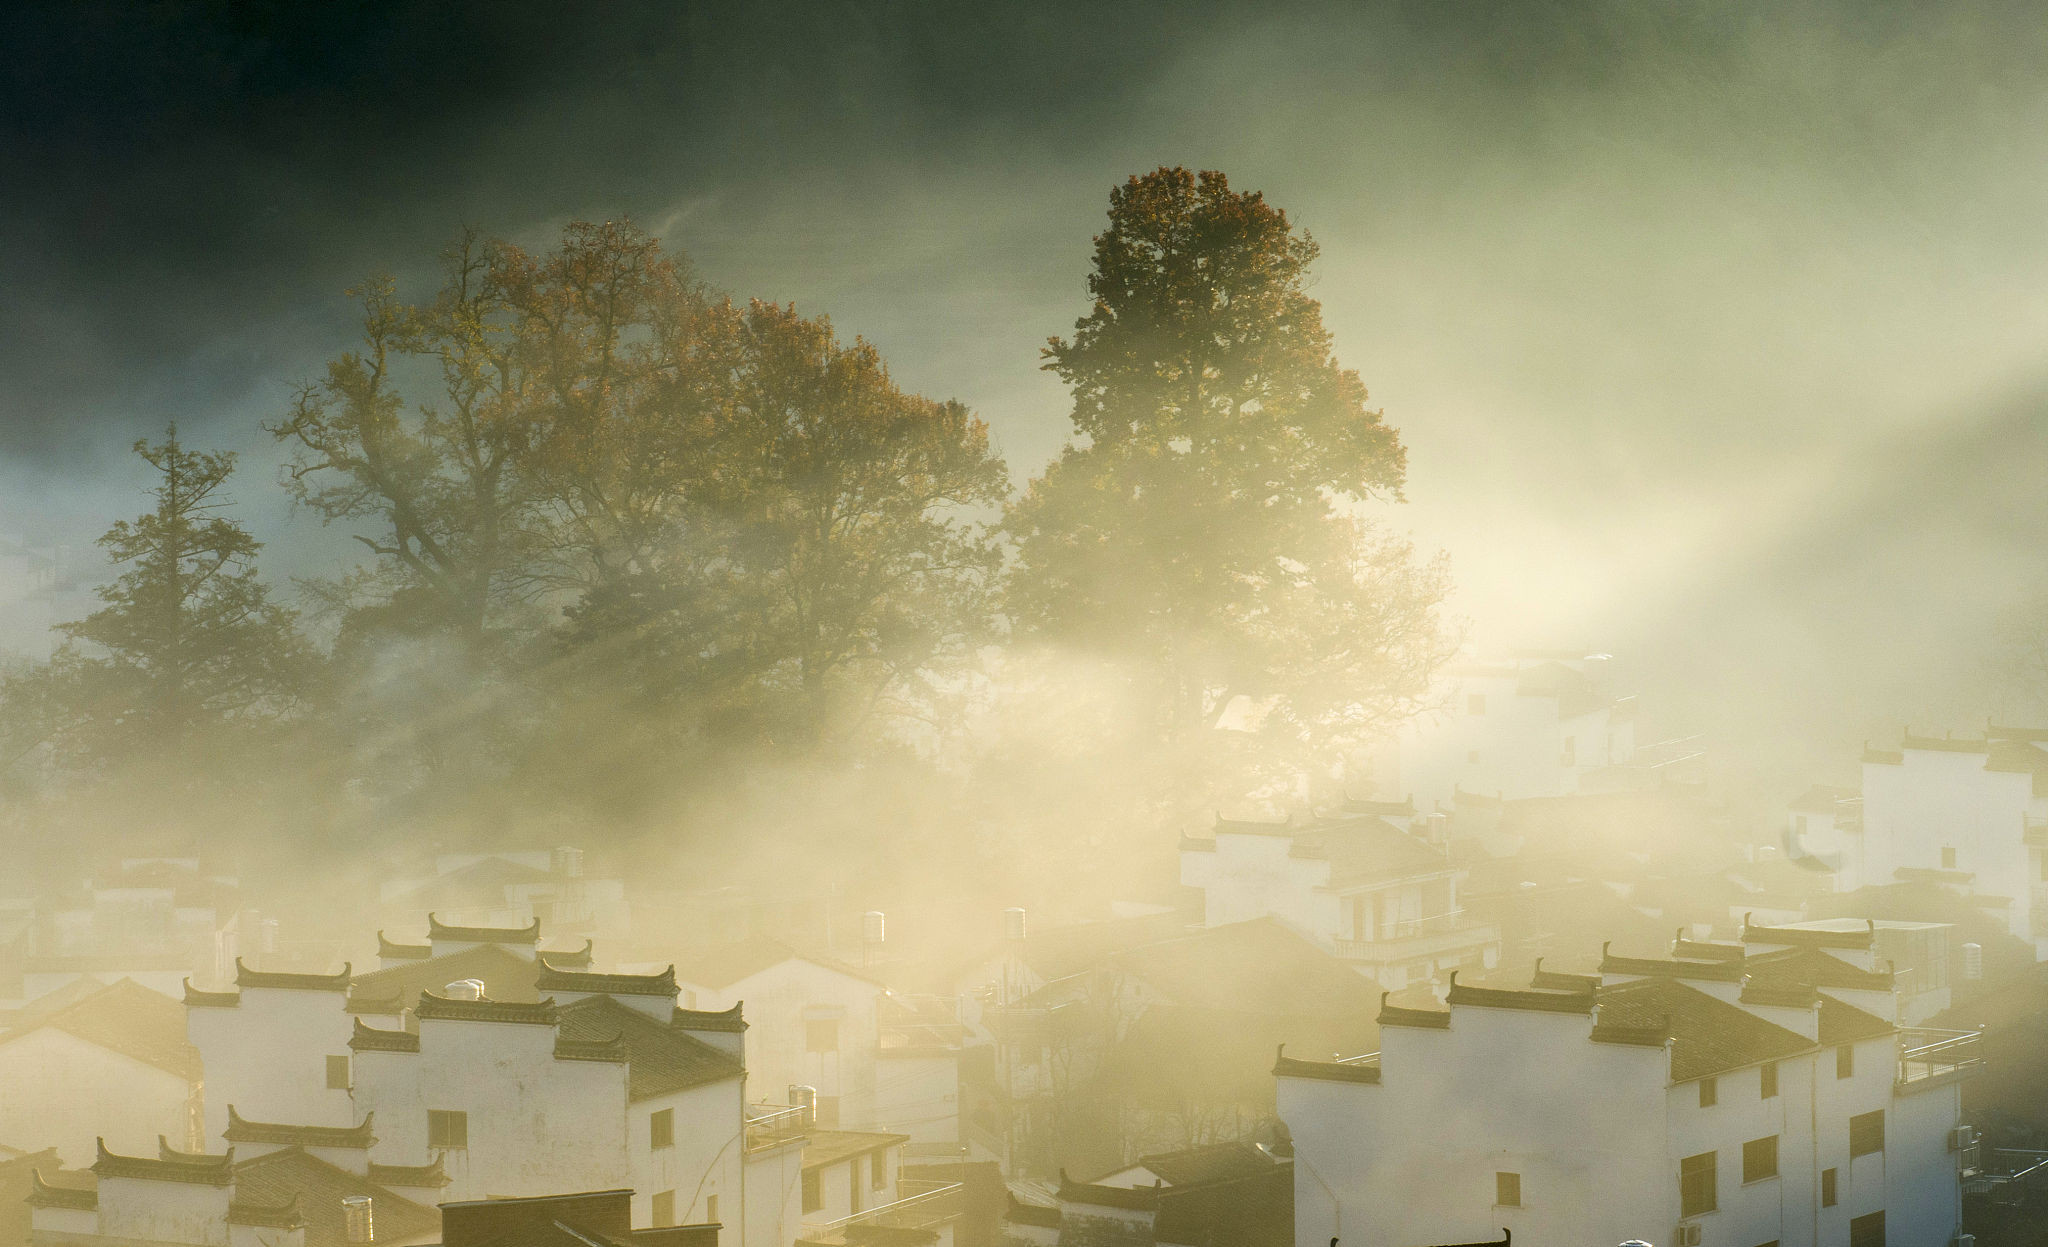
1760 1159
1507 1190
447 1128
1697 1191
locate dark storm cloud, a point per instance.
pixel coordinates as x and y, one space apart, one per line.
179 172
1714 330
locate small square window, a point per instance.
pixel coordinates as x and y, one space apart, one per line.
1867 1230
664 1208
1866 1133
1760 1159
1710 1093
447 1129
1507 1190
828 1112
661 1129
1845 1061
1770 1081
337 1073
821 1035
1827 1188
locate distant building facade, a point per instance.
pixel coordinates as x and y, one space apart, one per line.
1971 812
1360 886
1730 1095
1541 725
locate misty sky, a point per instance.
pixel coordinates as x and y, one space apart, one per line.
1715 331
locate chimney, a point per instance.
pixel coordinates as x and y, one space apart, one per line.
357 1220
805 1098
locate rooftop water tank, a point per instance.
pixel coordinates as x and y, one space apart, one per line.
357 1220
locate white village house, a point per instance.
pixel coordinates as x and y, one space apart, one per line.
1971 813
603 1083
1358 886
1732 1095
1531 725
279 1187
277 1045
815 1021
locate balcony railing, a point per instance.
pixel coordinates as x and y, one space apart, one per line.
2009 1176
1446 930
1928 1057
936 1202
921 1021
771 1125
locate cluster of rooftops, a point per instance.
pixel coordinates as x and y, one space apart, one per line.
2015 749
659 1046
1649 1002
285 1186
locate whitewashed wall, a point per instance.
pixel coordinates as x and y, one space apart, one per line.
779 1001
537 1125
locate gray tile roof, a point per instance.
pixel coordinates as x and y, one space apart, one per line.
1708 1036
282 1177
661 1059
123 1017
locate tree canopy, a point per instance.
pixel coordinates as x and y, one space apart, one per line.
188 657
625 536
1206 529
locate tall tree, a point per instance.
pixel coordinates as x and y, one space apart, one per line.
1206 530
433 484
189 647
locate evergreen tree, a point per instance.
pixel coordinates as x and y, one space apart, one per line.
189 650
1206 532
